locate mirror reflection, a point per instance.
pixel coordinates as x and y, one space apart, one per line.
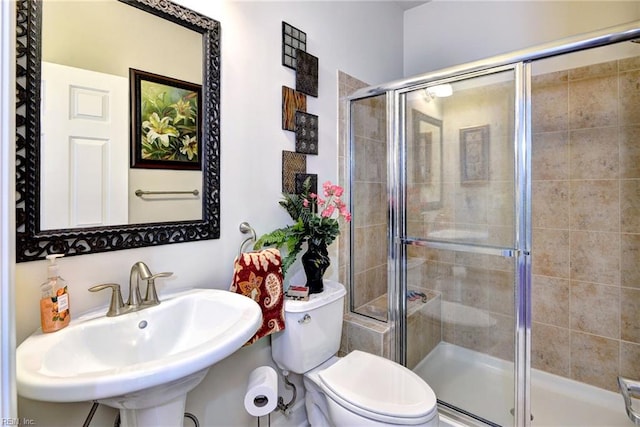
76 191
424 169
86 113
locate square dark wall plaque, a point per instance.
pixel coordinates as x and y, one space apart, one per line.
306 133
313 181
306 73
292 164
292 101
292 40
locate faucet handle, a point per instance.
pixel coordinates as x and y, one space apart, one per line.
151 297
116 305
163 274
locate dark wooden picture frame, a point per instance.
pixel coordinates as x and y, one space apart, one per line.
474 154
165 122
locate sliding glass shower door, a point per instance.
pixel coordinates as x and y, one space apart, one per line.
459 243
460 191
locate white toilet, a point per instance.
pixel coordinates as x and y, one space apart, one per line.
359 389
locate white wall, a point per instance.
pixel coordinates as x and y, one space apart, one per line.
362 39
8 406
444 33
83 44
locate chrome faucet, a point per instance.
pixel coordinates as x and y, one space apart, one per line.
630 390
139 270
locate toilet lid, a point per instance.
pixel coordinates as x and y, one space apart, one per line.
378 386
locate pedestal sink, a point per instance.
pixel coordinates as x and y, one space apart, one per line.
142 363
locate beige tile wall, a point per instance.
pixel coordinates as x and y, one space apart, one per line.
360 332
369 192
586 222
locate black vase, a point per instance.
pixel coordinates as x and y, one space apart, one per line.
315 262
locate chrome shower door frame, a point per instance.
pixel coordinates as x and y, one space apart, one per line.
520 62
520 250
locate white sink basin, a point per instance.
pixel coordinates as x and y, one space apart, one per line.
100 357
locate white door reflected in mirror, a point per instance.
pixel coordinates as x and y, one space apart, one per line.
84 148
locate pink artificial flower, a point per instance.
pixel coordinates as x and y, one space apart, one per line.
305 203
338 191
320 201
347 217
313 195
328 211
327 188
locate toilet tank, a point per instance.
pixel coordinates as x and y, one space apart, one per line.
312 331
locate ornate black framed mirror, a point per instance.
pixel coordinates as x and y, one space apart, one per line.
33 240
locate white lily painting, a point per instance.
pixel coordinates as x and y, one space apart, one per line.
168 122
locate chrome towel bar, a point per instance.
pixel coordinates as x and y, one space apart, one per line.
141 193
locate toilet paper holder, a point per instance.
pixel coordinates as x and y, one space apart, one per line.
261 397
261 400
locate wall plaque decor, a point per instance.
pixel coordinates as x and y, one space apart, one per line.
292 40
306 133
474 154
306 73
292 164
292 101
313 181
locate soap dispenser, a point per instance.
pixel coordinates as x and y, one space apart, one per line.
54 300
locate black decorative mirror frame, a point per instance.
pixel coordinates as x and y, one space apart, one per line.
33 243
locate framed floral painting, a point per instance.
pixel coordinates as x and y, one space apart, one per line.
165 122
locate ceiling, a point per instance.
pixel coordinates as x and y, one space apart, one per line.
408 4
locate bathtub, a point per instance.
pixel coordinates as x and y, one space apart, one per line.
483 385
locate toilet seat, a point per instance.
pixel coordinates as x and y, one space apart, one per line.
379 389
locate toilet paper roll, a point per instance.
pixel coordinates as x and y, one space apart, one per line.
262 391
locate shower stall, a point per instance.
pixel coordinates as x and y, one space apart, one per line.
496 229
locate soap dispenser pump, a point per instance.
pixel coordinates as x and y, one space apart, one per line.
54 300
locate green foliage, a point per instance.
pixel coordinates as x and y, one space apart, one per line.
290 237
308 225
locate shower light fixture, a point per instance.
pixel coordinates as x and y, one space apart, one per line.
438 91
